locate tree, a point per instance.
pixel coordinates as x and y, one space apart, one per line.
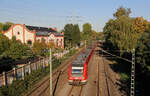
94 34
142 49
76 34
122 12
7 25
126 33
51 44
121 32
71 35
17 50
39 48
4 44
1 26
87 31
140 24
143 63
68 30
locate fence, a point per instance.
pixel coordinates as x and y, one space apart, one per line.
7 78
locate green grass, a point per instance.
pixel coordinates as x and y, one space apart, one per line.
148 67
124 76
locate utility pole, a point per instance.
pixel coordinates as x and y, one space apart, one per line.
50 64
132 89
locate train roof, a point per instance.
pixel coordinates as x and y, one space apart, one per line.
82 57
77 65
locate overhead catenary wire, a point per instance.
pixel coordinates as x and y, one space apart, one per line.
116 56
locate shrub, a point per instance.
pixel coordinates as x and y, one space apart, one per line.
124 76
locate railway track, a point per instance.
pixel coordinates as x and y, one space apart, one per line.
47 83
55 81
81 90
106 76
62 68
73 89
98 92
69 94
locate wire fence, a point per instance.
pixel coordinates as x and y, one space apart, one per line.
7 78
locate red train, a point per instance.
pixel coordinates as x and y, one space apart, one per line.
78 69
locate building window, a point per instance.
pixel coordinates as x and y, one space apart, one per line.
57 42
18 33
61 42
29 42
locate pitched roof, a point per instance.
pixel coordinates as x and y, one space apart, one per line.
40 28
43 31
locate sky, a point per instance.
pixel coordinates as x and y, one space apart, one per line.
58 13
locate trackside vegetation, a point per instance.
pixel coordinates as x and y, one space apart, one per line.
23 86
124 33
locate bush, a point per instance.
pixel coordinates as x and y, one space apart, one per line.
20 86
124 76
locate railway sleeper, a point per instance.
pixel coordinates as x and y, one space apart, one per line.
76 82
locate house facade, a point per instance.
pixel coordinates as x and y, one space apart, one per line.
29 34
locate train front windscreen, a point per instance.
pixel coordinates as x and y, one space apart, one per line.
77 71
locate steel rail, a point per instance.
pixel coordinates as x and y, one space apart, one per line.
108 88
69 94
68 61
81 90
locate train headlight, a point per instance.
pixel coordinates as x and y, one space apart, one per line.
70 77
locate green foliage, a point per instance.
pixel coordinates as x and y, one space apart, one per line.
68 30
7 25
143 48
39 48
122 12
1 27
87 31
11 51
124 76
21 86
126 33
76 35
71 35
120 32
56 62
4 44
17 50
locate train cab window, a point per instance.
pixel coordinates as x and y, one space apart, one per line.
77 71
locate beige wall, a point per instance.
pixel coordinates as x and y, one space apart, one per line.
29 36
24 35
8 34
18 32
